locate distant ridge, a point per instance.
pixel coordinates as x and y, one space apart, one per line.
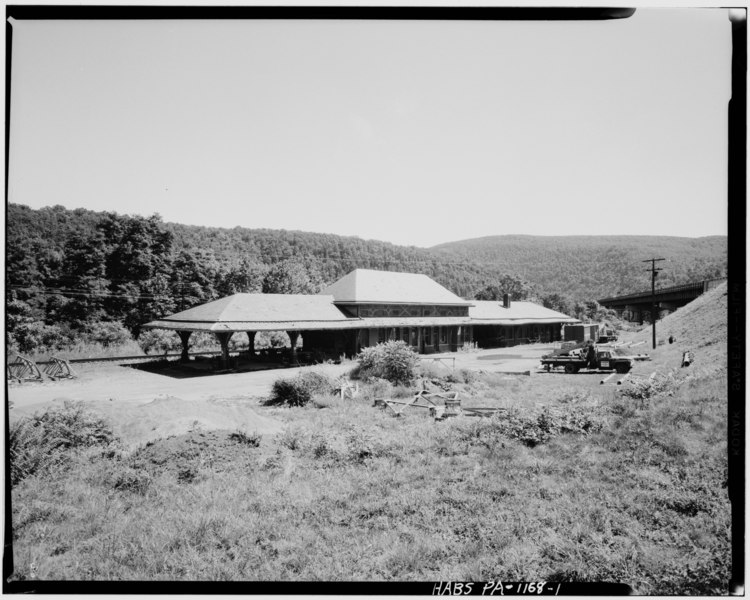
581 267
600 265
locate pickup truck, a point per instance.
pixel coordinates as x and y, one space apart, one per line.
606 360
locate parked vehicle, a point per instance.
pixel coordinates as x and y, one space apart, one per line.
585 332
606 336
581 332
603 360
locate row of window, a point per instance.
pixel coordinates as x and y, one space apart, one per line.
410 335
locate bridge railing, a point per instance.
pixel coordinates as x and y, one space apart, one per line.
687 287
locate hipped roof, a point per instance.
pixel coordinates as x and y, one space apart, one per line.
490 312
304 312
387 287
258 312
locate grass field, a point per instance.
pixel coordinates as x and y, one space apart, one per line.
579 483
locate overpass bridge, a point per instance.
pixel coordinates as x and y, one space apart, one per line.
637 307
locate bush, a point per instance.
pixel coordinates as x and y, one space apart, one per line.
376 388
394 361
536 428
463 376
324 400
160 341
133 480
38 442
644 390
274 339
530 427
252 439
289 391
292 438
299 391
107 333
361 444
38 337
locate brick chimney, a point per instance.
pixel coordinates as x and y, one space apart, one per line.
506 300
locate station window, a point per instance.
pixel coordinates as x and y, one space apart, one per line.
443 335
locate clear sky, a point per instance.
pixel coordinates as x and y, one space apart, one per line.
409 132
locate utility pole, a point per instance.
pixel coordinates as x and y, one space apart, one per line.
654 273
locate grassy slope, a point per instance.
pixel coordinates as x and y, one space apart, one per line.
700 327
350 493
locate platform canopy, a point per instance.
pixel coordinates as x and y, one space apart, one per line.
260 312
310 312
490 312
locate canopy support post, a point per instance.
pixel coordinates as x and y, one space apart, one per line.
293 337
184 337
223 337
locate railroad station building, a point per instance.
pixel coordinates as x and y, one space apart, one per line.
367 307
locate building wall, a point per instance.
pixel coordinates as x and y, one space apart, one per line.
425 340
501 336
402 310
430 340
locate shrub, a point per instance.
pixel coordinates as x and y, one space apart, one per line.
376 388
324 400
431 370
289 391
202 340
292 437
316 383
644 390
107 333
299 391
133 480
575 397
252 439
361 445
273 339
320 445
160 341
531 428
393 361
38 337
37 443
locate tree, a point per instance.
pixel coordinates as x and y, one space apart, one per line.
139 264
292 277
517 288
193 277
559 302
244 277
83 278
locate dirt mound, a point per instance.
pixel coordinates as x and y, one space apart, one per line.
169 416
700 327
186 455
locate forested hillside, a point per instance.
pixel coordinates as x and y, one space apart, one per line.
595 266
78 274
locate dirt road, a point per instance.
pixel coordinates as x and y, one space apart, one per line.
124 384
142 405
